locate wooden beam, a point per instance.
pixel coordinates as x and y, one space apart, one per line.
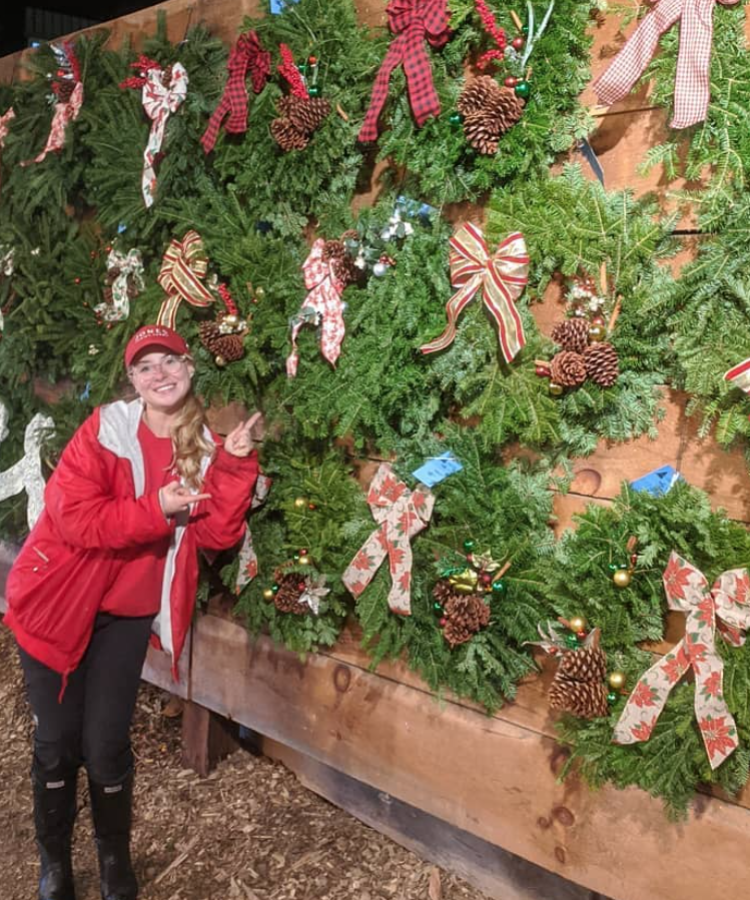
206 738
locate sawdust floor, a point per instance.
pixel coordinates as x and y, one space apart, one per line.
249 831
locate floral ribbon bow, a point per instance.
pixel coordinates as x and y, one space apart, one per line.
691 90
400 514
726 606
130 265
412 21
183 267
158 102
5 121
247 53
65 112
502 277
323 305
247 568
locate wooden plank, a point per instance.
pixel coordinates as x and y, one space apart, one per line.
386 735
206 738
157 669
497 873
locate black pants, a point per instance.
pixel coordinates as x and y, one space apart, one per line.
91 726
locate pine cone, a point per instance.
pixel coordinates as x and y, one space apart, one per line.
65 90
586 664
572 334
286 599
287 136
489 111
443 591
230 346
581 699
307 113
466 614
568 369
602 365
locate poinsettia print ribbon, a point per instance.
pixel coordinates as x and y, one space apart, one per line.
400 514
413 22
323 305
247 53
130 266
183 267
725 606
159 100
5 120
247 568
65 112
501 275
691 91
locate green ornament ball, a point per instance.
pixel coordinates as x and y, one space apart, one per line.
572 641
314 91
498 587
438 608
611 697
525 30
612 567
468 545
523 90
275 588
455 118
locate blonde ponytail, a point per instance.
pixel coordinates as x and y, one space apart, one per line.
189 442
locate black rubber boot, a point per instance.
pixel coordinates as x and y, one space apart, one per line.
54 815
111 810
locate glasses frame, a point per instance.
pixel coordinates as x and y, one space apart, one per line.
181 358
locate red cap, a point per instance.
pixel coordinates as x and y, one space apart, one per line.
154 336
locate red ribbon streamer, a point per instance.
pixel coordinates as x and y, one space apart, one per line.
247 53
413 21
691 92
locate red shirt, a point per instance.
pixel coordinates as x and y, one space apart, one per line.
137 589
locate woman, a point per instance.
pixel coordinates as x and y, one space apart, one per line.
140 488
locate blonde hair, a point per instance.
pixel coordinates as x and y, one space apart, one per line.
189 442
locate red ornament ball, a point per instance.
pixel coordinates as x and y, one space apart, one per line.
511 81
542 371
517 43
443 623
76 280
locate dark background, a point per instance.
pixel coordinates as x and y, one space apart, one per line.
20 23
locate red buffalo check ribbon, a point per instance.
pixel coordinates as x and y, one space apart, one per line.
725 606
502 277
247 53
65 112
691 90
400 514
413 21
323 306
183 268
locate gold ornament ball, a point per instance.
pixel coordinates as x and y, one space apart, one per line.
220 361
555 389
622 578
304 560
268 594
260 293
597 333
617 680
577 623
231 319
300 502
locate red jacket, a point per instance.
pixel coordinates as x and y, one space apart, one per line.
95 517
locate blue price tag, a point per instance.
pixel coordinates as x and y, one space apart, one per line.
414 208
437 468
278 6
658 482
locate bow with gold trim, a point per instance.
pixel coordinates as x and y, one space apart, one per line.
725 606
182 270
502 277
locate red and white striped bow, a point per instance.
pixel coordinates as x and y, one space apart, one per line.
183 269
502 277
691 91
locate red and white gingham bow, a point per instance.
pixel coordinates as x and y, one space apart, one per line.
691 91
5 120
725 606
502 277
400 514
159 101
412 21
324 301
247 53
64 113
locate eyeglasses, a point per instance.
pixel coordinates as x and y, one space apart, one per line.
169 364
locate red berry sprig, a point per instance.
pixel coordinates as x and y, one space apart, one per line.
227 299
142 64
496 33
290 72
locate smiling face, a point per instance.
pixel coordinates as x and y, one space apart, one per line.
162 379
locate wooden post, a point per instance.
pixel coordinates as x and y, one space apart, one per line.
207 738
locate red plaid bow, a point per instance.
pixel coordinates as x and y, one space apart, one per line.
413 21
692 79
247 53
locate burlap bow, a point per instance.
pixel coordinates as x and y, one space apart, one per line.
130 265
247 53
502 277
691 91
324 304
64 113
158 102
726 606
5 121
412 21
182 270
400 514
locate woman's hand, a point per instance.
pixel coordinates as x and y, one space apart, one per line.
238 442
173 498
